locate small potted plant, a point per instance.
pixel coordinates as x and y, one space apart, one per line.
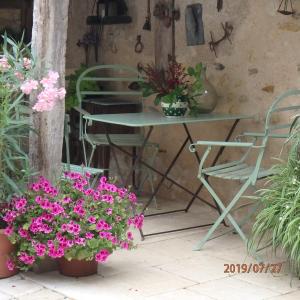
170 87
6 247
78 225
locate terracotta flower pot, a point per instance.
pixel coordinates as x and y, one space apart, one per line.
77 268
6 248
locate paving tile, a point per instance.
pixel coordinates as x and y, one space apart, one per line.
233 289
182 294
151 281
43 294
289 296
17 286
282 283
200 269
126 261
91 288
5 296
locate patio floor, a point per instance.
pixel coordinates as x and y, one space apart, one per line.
164 268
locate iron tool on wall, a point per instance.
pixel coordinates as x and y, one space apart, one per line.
219 5
147 25
286 7
228 28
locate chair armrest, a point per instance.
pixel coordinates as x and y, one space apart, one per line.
262 134
219 144
82 111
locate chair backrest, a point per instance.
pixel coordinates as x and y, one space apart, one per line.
115 78
275 125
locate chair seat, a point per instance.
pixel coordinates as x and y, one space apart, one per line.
236 171
82 169
130 140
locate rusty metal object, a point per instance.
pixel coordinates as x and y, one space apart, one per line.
286 7
213 44
164 13
219 5
147 25
139 46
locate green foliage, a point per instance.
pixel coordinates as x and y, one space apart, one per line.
14 124
71 96
196 88
278 223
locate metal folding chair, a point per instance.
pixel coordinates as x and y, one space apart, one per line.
241 170
117 79
95 172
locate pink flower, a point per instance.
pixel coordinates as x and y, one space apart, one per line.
28 86
40 249
124 245
89 235
26 259
8 231
118 219
79 210
92 219
10 216
20 203
4 65
67 200
27 63
102 256
10 265
23 233
109 211
130 235
56 209
80 241
50 80
132 198
108 198
19 75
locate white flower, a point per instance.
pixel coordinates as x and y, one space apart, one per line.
280 218
294 181
287 207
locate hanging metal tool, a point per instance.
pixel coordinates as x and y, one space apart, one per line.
286 7
139 46
147 25
227 32
219 5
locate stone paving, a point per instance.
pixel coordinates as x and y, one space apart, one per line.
164 267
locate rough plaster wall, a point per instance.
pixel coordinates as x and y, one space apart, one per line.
264 44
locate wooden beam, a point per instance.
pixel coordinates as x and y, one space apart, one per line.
164 38
11 4
49 35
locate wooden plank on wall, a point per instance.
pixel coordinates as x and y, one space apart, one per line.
163 39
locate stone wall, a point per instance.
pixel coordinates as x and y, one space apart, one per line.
261 62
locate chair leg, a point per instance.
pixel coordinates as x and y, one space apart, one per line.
84 152
224 214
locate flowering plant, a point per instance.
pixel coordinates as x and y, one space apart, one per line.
168 85
71 220
16 79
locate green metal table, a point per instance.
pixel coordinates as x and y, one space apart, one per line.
155 119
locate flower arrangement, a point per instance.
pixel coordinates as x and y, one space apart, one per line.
170 85
71 220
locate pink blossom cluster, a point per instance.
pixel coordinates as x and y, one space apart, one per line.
26 259
53 221
102 255
4 64
48 92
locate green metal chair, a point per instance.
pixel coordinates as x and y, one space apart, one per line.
117 79
241 170
95 172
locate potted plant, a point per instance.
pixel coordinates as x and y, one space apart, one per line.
78 225
277 225
71 95
170 87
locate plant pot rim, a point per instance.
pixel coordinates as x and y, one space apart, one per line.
177 104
